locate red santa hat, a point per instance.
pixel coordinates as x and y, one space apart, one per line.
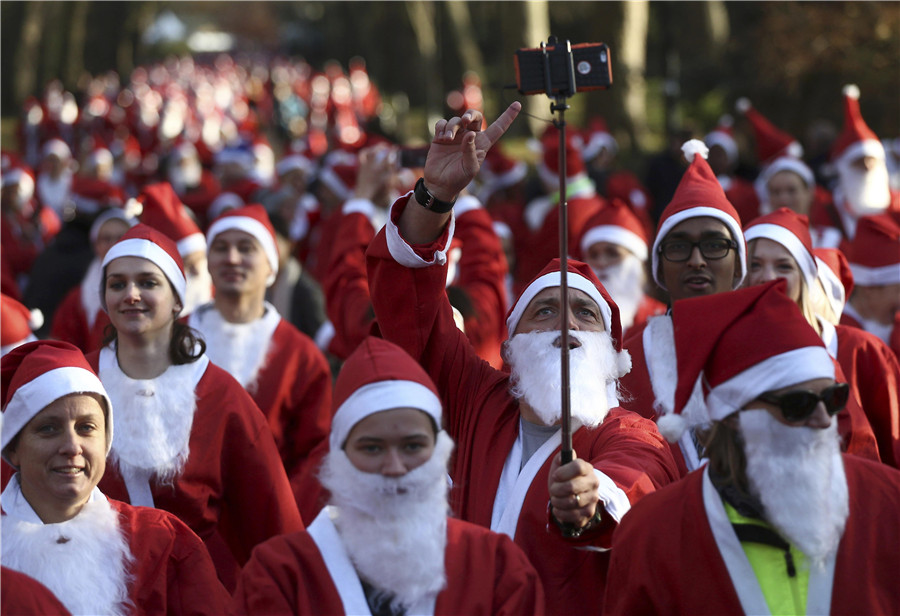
788 163
19 174
39 373
164 212
339 173
723 136
548 167
379 376
618 224
835 276
596 138
771 142
856 138
790 230
734 347
580 276
254 220
58 148
297 160
699 195
874 253
145 242
500 171
127 215
17 323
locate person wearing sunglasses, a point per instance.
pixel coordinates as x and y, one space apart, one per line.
779 521
699 250
780 246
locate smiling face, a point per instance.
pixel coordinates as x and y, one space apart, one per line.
139 298
392 442
769 260
699 276
61 456
238 264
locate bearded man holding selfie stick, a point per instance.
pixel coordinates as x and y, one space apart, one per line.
507 469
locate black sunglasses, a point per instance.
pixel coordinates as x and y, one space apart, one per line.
798 404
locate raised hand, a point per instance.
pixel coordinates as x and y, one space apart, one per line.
458 149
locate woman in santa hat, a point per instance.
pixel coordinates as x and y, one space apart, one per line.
779 246
96 555
191 440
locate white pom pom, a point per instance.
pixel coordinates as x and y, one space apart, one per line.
671 426
743 104
795 150
133 208
623 362
851 91
692 148
36 321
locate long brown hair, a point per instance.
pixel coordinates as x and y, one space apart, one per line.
725 451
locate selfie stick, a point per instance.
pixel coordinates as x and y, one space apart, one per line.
561 106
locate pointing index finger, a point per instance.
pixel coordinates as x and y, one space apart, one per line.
502 124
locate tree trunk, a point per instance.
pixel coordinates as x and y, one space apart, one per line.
633 63
421 16
26 59
77 40
537 29
469 52
716 23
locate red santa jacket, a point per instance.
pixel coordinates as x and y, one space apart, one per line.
233 485
25 596
686 573
70 323
483 419
486 574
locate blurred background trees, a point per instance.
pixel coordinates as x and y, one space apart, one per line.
675 65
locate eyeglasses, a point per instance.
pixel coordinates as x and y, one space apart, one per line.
798 404
678 251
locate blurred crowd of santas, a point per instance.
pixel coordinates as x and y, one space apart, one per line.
207 131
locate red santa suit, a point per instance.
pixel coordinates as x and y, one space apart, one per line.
285 373
699 566
229 481
150 554
874 373
79 319
311 573
25 596
651 387
628 455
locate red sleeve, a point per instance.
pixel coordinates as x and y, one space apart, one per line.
25 596
346 286
482 275
69 322
414 313
874 372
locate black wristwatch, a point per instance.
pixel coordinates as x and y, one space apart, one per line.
428 201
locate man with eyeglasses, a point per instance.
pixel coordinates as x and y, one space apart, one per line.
699 250
779 521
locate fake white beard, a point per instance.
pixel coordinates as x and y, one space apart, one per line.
798 475
394 528
87 573
865 193
90 291
198 291
535 362
54 192
153 420
238 348
625 284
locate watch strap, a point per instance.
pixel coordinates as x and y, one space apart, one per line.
428 201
